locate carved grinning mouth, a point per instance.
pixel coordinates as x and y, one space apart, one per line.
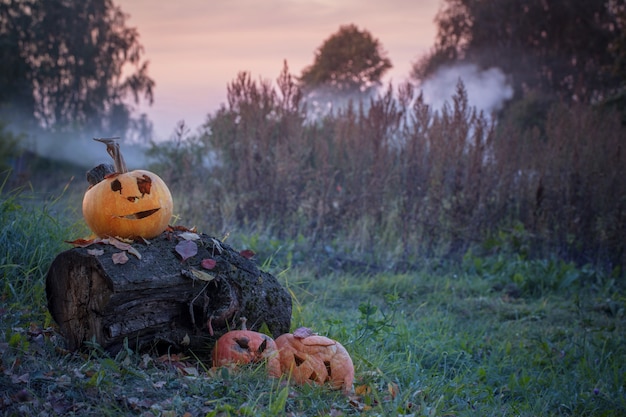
140 214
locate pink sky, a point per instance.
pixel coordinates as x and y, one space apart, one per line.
196 47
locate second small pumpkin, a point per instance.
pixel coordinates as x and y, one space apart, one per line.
247 346
312 358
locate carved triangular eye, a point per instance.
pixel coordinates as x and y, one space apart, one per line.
116 185
143 184
298 360
262 346
243 343
327 364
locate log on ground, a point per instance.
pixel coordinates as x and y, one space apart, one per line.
159 298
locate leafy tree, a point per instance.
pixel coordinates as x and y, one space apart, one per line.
63 62
350 60
555 46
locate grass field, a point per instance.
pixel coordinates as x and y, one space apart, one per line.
491 336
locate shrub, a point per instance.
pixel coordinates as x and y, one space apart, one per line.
396 179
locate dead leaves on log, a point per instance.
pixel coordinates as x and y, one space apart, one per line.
187 248
208 263
201 275
118 257
188 235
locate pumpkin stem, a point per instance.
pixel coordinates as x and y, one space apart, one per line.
113 149
243 323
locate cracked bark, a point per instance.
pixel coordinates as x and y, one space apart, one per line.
158 300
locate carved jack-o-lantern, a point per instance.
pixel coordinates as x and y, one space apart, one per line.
127 204
247 346
307 357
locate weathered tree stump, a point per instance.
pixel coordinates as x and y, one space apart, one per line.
161 298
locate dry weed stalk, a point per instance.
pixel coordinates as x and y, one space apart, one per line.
396 173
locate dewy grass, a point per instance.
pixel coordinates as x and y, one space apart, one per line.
453 344
456 340
30 237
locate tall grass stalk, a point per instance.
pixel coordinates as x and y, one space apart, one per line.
33 232
396 177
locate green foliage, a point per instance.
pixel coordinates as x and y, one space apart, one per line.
532 278
62 64
452 344
526 38
30 237
431 342
349 60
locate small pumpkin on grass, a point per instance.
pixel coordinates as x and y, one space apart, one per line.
127 204
244 346
308 357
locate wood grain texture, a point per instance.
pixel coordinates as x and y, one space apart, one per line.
157 299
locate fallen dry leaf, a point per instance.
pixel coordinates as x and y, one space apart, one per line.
393 389
359 405
302 333
186 249
189 371
190 236
180 229
122 246
202 276
247 253
82 243
23 379
362 389
119 258
159 384
208 263
134 252
95 252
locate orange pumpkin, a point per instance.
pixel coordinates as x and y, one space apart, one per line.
246 346
127 204
311 358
